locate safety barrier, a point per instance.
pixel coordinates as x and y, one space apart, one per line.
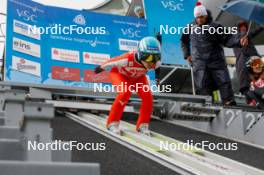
26 118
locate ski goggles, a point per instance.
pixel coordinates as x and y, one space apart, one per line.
150 58
258 63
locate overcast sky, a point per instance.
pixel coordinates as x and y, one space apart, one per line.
75 4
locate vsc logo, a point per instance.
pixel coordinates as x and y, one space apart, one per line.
173 5
26 15
131 33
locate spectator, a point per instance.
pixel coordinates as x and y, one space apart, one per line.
139 12
205 52
242 56
256 93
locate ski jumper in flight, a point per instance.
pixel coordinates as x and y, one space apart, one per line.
129 72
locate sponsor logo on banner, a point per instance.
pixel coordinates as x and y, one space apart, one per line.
33 8
79 19
64 73
92 42
26 47
135 24
131 33
95 58
172 5
26 15
25 29
65 55
128 45
90 76
26 66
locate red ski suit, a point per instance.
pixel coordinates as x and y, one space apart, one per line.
126 70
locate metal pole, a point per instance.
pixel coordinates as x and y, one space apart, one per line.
192 76
193 85
249 27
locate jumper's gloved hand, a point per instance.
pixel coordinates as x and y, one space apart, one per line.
98 70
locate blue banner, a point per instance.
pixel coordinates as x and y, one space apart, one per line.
168 17
58 46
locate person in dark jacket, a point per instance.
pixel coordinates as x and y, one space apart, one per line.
243 54
205 52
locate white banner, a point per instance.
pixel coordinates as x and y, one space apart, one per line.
95 58
26 66
26 47
128 45
65 55
25 29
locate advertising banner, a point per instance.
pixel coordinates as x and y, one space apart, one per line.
58 46
168 17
